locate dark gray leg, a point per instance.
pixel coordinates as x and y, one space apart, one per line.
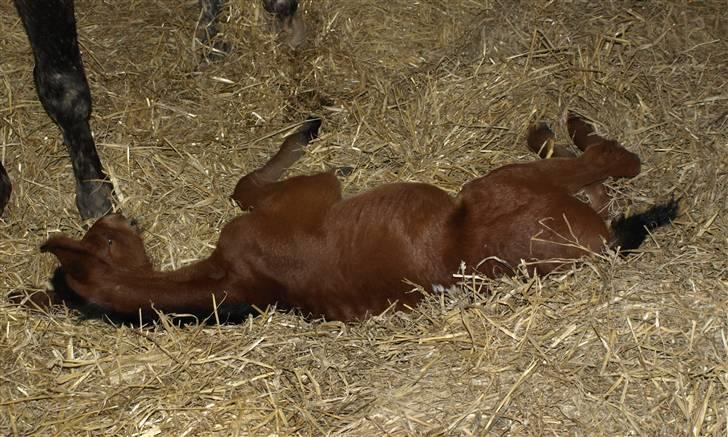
290 27
5 188
208 19
208 28
62 88
282 8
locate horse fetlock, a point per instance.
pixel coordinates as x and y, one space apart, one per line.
6 188
282 8
93 198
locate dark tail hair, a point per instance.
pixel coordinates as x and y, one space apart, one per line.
628 233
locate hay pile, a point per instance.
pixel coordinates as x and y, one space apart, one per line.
438 91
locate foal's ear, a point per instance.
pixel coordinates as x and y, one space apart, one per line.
76 260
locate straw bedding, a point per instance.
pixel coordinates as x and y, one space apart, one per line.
436 91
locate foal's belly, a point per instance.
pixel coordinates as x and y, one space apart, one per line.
374 247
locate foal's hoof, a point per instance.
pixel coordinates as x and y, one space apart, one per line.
93 198
540 140
581 132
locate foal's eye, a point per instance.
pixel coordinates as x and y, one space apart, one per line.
109 242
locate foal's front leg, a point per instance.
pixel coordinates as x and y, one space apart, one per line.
251 187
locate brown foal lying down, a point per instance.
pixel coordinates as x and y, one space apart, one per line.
303 246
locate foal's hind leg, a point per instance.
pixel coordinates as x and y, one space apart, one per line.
583 136
541 141
602 151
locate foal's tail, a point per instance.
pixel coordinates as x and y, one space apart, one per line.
628 233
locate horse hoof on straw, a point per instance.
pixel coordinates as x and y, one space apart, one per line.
5 188
93 198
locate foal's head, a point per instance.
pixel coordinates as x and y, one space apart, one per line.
113 240
117 240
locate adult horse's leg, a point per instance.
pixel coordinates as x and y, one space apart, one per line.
290 26
62 88
208 28
282 8
208 25
5 188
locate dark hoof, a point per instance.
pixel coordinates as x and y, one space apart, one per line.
5 188
215 53
282 8
93 199
344 171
